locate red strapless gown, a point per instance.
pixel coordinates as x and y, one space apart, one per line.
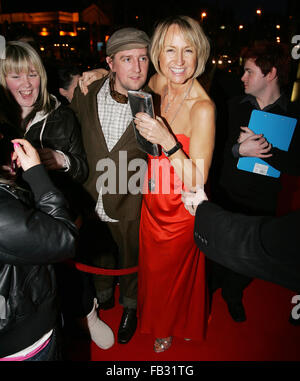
172 292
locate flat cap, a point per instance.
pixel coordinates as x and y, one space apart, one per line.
126 39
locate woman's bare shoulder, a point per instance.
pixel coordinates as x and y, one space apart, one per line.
203 107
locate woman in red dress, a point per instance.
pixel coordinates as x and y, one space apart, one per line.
172 285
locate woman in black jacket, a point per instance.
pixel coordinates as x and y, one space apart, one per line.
54 131
35 232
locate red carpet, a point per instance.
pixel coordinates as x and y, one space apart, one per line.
265 336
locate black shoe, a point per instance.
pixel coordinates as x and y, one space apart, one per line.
127 325
108 304
237 311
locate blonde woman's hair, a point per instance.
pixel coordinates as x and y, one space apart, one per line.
192 32
21 57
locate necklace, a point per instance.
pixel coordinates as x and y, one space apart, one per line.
181 103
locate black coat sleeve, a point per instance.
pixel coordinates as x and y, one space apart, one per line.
40 234
245 244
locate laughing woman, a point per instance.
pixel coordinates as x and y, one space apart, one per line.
172 284
50 127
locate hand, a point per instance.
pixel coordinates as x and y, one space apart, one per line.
244 134
51 159
255 146
193 198
154 130
25 154
89 77
11 170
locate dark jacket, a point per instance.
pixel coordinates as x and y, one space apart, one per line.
62 132
123 205
33 234
259 247
247 192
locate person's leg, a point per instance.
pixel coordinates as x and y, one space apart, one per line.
232 291
126 235
216 274
105 284
232 283
79 305
97 247
76 291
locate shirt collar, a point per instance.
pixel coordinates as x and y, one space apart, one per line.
282 102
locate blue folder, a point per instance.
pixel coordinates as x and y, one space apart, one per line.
278 130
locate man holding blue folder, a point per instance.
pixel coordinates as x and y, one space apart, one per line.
254 192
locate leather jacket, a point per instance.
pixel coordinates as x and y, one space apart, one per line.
34 233
60 130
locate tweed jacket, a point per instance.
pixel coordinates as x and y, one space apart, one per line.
122 204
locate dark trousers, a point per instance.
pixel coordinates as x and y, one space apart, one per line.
232 283
126 236
112 245
76 291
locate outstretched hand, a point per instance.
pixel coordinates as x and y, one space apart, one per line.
193 198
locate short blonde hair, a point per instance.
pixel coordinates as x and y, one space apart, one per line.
20 57
193 33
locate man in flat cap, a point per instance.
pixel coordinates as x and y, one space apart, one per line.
108 135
